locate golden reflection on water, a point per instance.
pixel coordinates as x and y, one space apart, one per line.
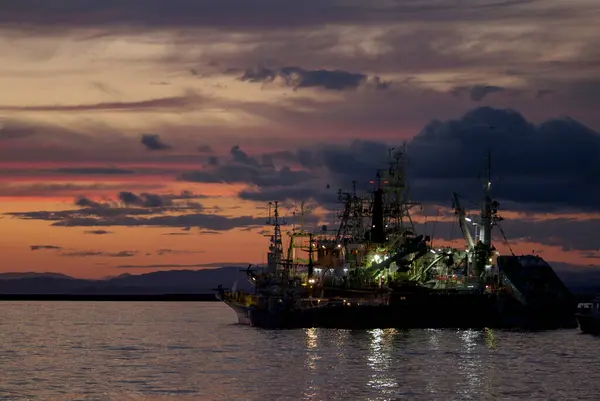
311 338
467 348
380 361
469 363
490 338
433 340
312 356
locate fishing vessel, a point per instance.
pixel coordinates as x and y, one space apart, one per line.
588 316
327 268
374 271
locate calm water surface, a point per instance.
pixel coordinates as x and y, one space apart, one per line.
194 351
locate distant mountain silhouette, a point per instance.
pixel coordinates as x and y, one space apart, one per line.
198 282
159 282
14 276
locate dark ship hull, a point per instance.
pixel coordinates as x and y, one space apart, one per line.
588 317
464 311
533 298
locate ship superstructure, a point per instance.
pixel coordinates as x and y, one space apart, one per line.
374 240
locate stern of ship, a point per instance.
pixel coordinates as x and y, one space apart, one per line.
535 294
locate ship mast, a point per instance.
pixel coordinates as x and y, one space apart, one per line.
391 192
276 246
396 191
311 262
485 234
377 216
351 226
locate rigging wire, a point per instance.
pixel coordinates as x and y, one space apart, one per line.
467 199
434 223
505 240
452 229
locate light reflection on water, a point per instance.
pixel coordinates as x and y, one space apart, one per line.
380 361
192 351
312 390
470 364
433 340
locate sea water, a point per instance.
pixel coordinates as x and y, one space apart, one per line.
195 351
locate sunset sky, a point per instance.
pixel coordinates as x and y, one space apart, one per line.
138 136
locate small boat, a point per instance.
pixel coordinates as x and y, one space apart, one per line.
588 316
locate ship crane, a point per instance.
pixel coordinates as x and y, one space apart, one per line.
462 221
480 249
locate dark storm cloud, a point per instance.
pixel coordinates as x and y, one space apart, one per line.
241 168
184 195
241 157
40 189
213 161
209 232
38 247
112 213
569 234
551 164
543 92
126 206
139 14
105 88
97 232
153 142
175 102
262 177
201 220
97 211
152 202
311 191
92 170
162 252
476 92
120 254
143 200
297 77
83 201
546 166
332 168
106 215
186 231
83 254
